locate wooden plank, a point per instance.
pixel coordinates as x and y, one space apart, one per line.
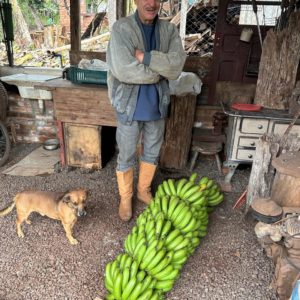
83 106
75 26
83 145
178 135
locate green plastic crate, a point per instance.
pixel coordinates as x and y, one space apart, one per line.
77 75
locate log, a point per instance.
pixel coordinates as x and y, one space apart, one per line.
103 37
286 186
278 65
262 173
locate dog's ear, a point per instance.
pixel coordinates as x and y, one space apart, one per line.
66 198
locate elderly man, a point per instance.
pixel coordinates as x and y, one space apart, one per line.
143 53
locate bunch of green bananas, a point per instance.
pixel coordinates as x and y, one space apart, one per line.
166 233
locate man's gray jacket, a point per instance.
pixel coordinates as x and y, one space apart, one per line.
126 73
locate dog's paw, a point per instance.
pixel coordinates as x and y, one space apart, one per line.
21 234
73 242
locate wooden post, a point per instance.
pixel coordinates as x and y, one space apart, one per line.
278 65
183 13
112 13
178 135
75 26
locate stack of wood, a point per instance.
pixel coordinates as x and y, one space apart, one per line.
200 29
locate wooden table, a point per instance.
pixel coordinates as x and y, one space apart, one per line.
81 109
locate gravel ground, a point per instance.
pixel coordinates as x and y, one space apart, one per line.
228 264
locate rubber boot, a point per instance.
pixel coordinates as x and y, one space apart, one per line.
125 184
146 175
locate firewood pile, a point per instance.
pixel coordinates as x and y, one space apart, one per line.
51 57
200 30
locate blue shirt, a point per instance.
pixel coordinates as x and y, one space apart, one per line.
147 108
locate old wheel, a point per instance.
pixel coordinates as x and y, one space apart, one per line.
4 144
4 137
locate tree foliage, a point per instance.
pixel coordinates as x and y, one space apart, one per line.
45 9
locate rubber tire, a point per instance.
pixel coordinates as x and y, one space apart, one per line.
5 156
3 102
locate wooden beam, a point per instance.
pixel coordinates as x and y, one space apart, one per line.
183 13
111 12
75 25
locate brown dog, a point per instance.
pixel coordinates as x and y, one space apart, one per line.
65 207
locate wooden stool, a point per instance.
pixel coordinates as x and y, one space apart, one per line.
206 148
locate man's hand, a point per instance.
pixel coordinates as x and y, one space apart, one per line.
139 55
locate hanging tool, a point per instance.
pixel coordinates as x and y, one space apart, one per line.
254 7
8 29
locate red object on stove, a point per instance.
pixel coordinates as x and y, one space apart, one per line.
247 107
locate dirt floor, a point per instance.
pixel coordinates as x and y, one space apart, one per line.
228 264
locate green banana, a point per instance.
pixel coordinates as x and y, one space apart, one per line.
158 257
159 226
141 275
164 285
183 244
209 183
185 188
214 196
113 270
177 210
164 273
123 260
108 280
164 205
138 246
217 201
180 185
166 188
125 278
172 275
147 258
166 228
162 264
172 235
158 204
110 297
199 201
182 215
161 190
141 253
172 186
195 241
129 288
186 220
193 177
146 295
146 283
128 262
134 269
190 227
174 201
195 196
179 254
178 240
190 192
203 180
117 289
180 262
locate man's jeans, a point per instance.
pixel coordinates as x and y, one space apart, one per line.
128 137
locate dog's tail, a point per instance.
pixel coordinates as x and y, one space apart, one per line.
7 210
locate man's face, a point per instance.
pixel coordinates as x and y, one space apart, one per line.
147 10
